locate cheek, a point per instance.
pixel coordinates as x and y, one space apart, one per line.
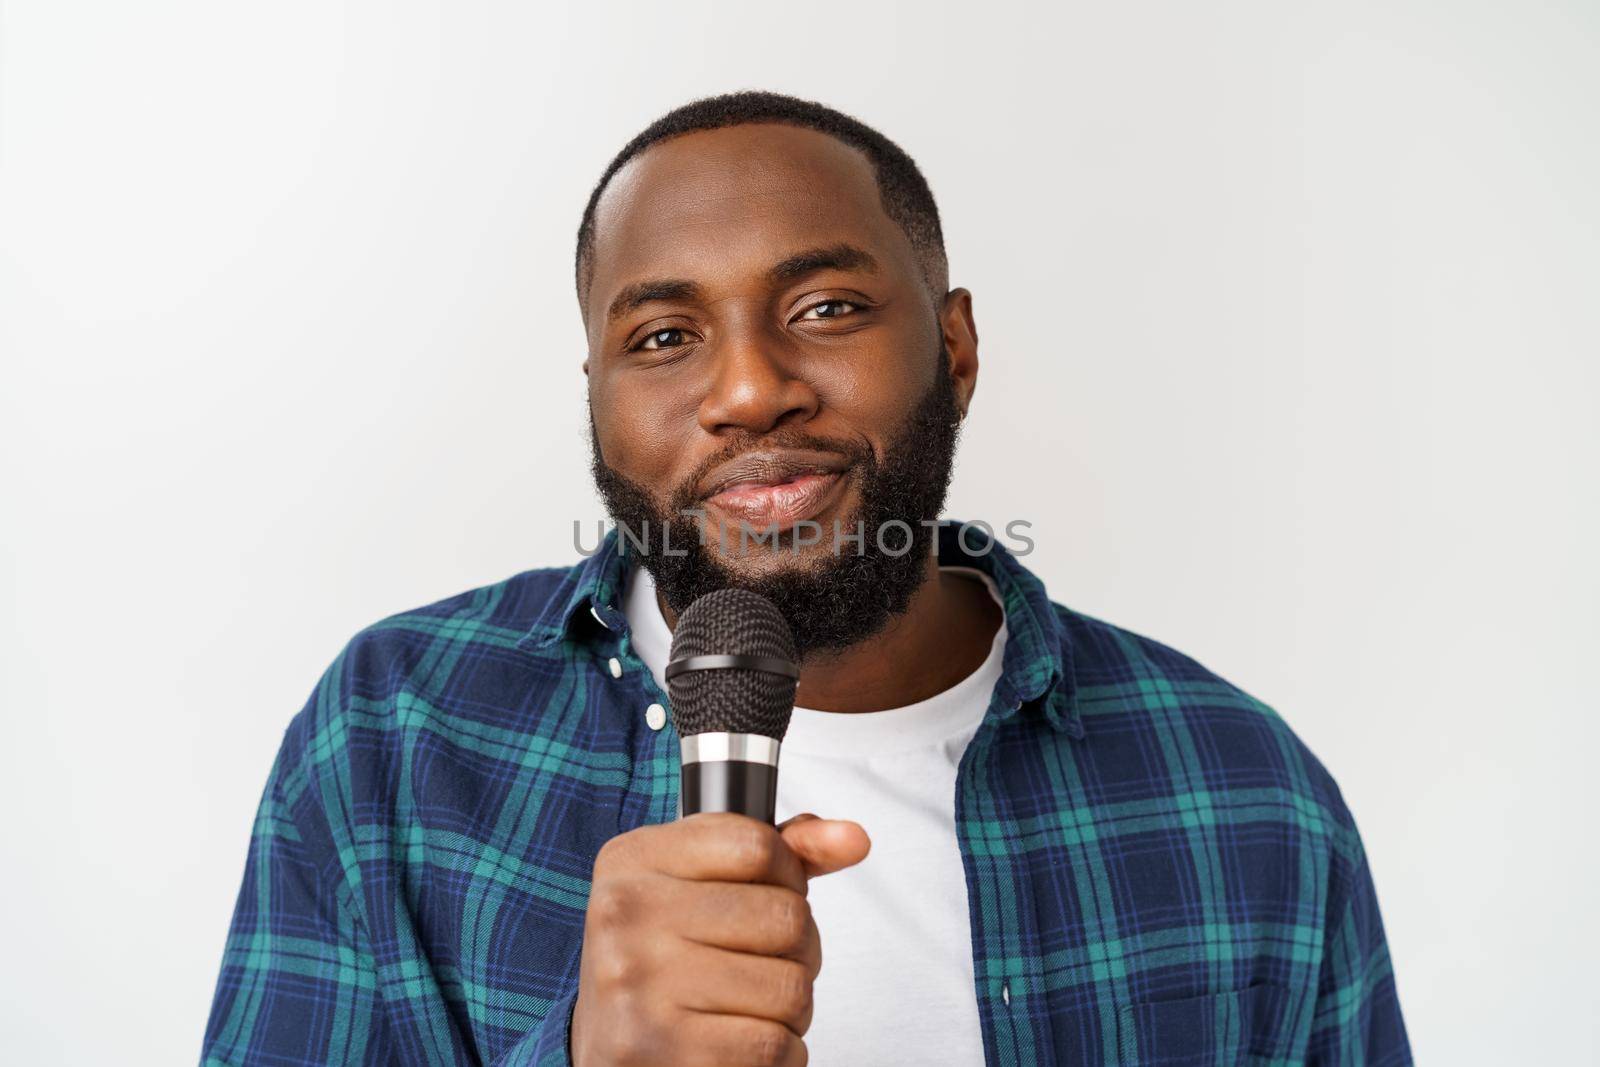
643 430
875 392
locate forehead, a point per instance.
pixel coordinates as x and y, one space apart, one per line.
720 206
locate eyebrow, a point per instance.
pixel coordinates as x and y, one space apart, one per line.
640 293
833 257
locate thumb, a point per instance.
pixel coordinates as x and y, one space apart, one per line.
825 845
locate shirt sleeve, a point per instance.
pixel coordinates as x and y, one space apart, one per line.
298 982
547 1045
1357 1021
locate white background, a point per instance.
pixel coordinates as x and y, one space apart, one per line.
1289 329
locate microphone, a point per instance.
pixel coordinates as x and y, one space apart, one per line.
731 678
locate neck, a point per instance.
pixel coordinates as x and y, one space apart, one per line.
944 635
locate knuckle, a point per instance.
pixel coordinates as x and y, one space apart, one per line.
612 904
618 1036
791 920
767 1045
612 854
630 1040
626 851
792 991
620 973
755 846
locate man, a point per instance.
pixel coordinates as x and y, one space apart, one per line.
1084 848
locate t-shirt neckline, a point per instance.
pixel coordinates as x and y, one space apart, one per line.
811 732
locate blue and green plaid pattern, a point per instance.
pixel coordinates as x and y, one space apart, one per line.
1159 871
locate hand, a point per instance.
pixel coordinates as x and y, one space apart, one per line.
698 943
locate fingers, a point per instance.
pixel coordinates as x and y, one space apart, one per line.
763 919
684 1037
699 944
719 847
737 983
825 845
720 1040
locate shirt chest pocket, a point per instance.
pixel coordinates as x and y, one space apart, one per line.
1240 1026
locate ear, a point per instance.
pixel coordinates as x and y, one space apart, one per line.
960 333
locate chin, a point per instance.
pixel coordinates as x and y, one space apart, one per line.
766 561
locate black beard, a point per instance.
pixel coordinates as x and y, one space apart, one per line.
855 589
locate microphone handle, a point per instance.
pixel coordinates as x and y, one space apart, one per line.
742 786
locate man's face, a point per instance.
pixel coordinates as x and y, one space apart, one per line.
764 351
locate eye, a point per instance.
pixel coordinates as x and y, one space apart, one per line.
831 309
671 337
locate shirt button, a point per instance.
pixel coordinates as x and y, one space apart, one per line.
616 667
596 613
655 716
1005 993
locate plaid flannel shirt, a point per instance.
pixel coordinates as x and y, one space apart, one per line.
1158 870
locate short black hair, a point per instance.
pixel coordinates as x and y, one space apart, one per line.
902 189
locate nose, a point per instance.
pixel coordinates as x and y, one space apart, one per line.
754 389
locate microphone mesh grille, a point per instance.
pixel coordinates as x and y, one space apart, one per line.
730 699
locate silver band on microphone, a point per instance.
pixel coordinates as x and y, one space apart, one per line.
723 748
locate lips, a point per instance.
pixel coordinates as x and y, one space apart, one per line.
767 490
782 505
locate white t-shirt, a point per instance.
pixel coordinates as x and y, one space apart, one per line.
896 985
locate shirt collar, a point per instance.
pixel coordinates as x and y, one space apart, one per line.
590 593
1036 672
